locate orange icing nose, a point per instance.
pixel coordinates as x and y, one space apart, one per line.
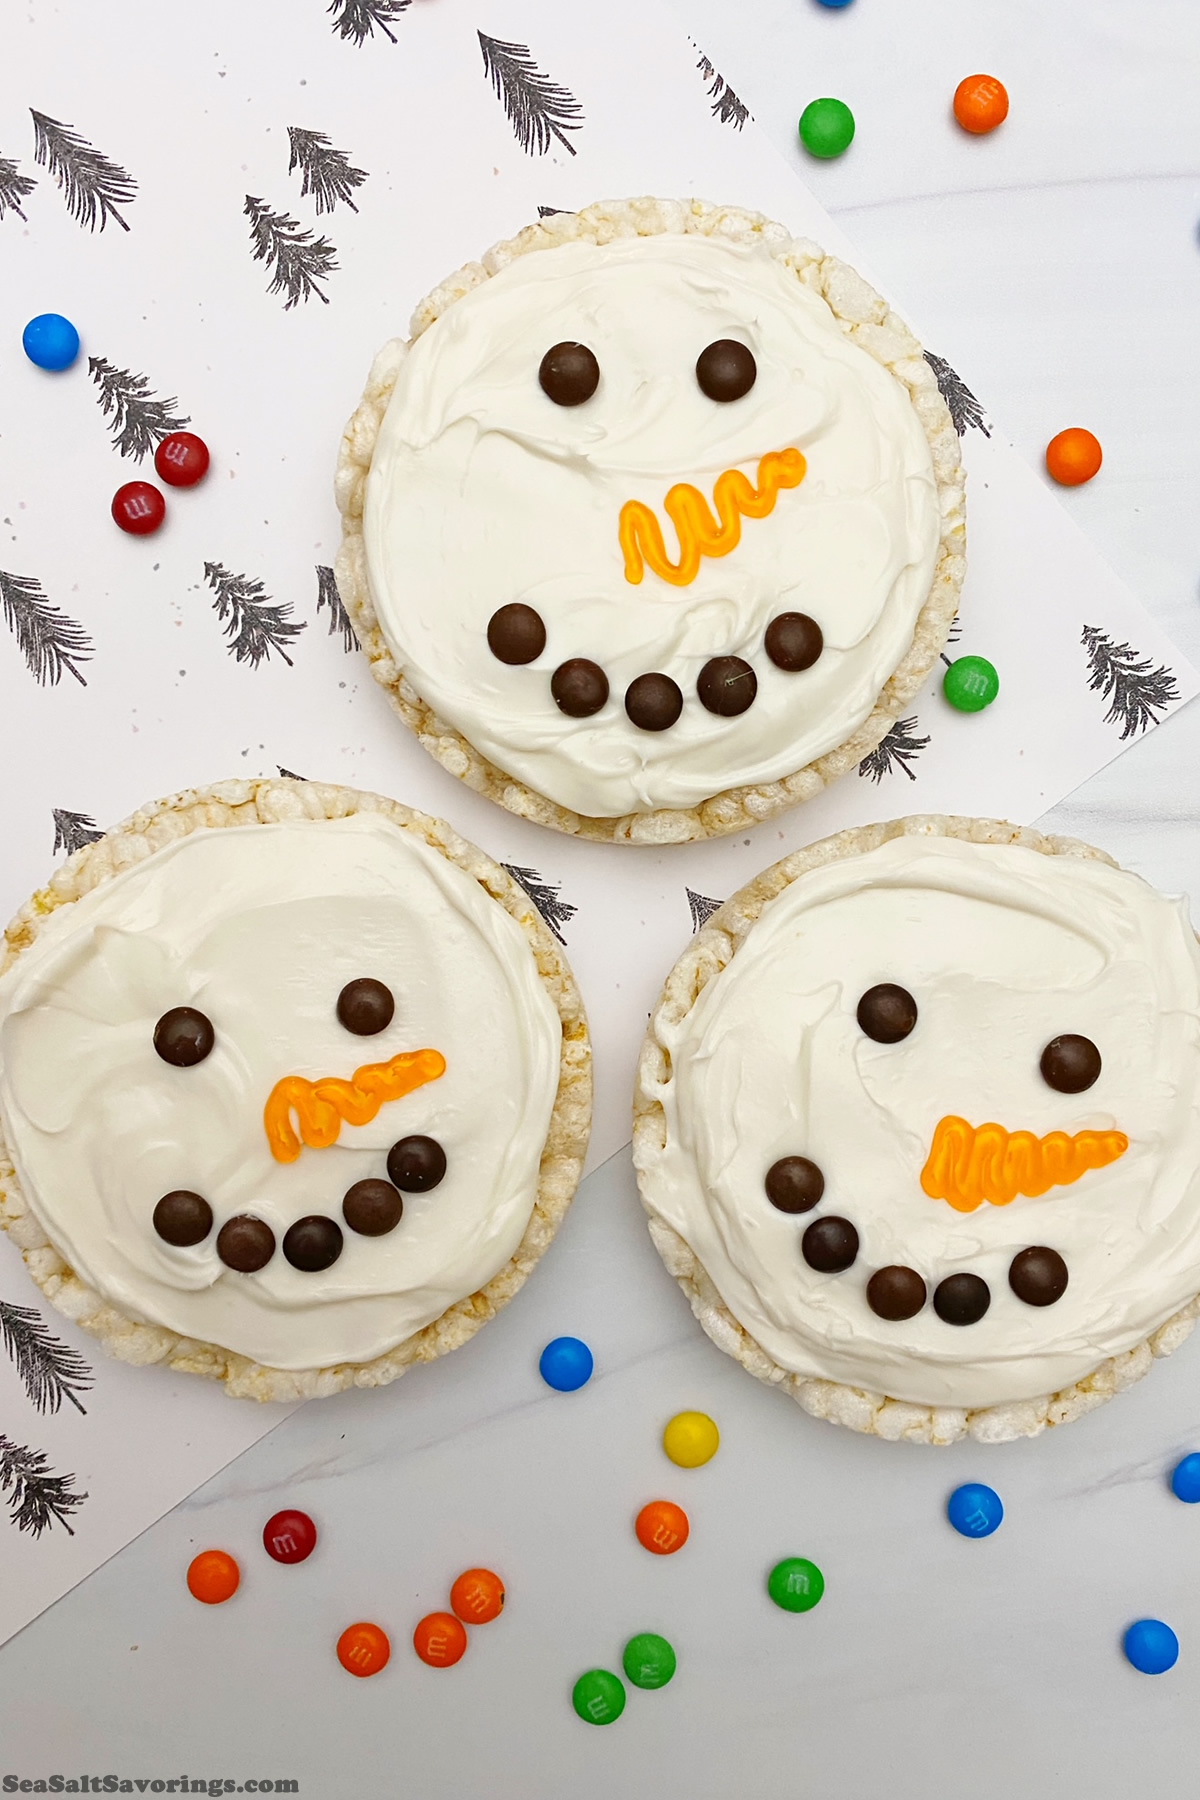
969 1164
699 533
322 1106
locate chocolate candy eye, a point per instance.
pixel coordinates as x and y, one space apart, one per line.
793 641
516 633
569 374
830 1245
183 1218
896 1293
312 1244
726 370
372 1208
1038 1276
184 1037
887 1013
416 1164
727 686
794 1184
961 1299
653 702
366 1006
1070 1064
579 687
245 1244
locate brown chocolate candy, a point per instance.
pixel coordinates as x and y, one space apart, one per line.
830 1244
245 1244
184 1037
579 687
516 633
793 641
887 1013
896 1292
726 370
961 1299
727 686
416 1164
1038 1276
313 1243
183 1218
372 1208
1070 1064
569 374
794 1184
653 702
366 1006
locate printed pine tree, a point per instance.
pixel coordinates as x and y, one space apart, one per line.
297 260
1137 694
72 831
51 1370
36 1496
49 641
896 751
702 907
13 187
325 173
254 624
964 407
726 107
92 186
355 20
538 109
137 419
545 896
339 618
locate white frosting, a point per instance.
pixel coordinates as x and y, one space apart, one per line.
1003 949
261 928
482 491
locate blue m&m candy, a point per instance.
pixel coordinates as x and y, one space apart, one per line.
833 5
51 341
566 1363
1151 1646
975 1510
1185 1478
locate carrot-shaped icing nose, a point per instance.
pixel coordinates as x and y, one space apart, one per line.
969 1164
321 1106
699 533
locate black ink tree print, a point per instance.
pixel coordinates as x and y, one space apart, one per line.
355 20
13 187
538 109
49 641
254 624
93 187
726 107
138 419
50 1370
1137 694
72 831
36 1496
964 407
545 896
325 172
297 260
702 907
339 618
896 751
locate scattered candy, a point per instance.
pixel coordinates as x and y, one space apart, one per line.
691 1438
1151 1646
649 1660
662 1527
478 1596
1185 1478
1074 456
289 1536
182 459
440 1640
364 1649
213 1576
139 508
599 1697
833 4
50 341
971 683
975 1510
566 1363
796 1584
980 104
826 127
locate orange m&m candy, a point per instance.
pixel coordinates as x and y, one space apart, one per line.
364 1649
662 1527
440 1640
1074 456
980 104
213 1576
478 1596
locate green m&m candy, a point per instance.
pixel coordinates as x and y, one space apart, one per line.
649 1660
599 1697
971 683
796 1584
826 127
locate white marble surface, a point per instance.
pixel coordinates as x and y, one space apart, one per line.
1057 265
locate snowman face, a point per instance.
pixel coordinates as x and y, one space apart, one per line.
283 1089
934 1131
609 482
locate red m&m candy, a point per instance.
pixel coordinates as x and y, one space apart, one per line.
289 1536
139 508
182 459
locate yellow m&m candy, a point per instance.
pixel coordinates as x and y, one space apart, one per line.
690 1439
